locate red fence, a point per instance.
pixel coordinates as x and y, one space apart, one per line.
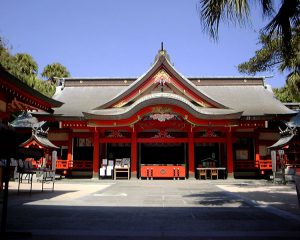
252 165
77 164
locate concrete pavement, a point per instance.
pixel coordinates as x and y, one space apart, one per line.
141 209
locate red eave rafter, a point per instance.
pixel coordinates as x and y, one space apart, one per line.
16 105
179 86
33 143
74 124
252 124
23 96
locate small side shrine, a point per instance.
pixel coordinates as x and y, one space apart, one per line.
287 149
39 140
16 96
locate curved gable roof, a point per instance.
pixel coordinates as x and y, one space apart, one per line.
161 62
162 98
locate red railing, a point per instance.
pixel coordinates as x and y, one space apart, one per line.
62 164
85 165
251 164
265 164
77 164
244 164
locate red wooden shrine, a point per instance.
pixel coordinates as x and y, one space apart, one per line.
167 124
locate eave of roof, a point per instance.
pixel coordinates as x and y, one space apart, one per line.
12 82
162 98
40 140
282 142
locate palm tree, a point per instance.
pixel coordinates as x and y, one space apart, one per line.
238 11
26 64
54 71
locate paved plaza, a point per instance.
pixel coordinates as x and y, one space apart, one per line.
159 209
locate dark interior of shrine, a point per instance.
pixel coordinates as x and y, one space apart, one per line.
163 153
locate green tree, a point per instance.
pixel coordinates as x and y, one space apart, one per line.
271 56
284 94
281 22
279 38
6 59
54 71
27 65
24 67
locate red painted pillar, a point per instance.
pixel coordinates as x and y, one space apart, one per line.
256 146
191 149
70 151
133 154
96 154
229 154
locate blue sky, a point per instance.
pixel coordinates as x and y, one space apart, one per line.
120 38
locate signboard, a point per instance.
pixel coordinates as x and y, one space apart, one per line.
273 157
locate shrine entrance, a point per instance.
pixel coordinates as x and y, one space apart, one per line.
209 155
162 153
162 160
118 150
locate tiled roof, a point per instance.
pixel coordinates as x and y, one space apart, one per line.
252 100
43 141
246 95
83 99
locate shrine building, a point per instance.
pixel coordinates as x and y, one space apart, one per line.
166 124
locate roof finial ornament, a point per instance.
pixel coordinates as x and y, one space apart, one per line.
162 52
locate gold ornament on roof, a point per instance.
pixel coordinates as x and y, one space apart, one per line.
162 77
161 109
162 114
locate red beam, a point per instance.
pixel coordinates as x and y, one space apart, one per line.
162 140
115 140
209 140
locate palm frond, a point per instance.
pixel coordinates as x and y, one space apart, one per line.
213 11
267 7
281 25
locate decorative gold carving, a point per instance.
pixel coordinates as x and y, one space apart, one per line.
162 134
161 109
162 114
115 134
162 77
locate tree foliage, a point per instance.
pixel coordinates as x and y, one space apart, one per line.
280 38
214 11
281 23
54 71
24 67
271 56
